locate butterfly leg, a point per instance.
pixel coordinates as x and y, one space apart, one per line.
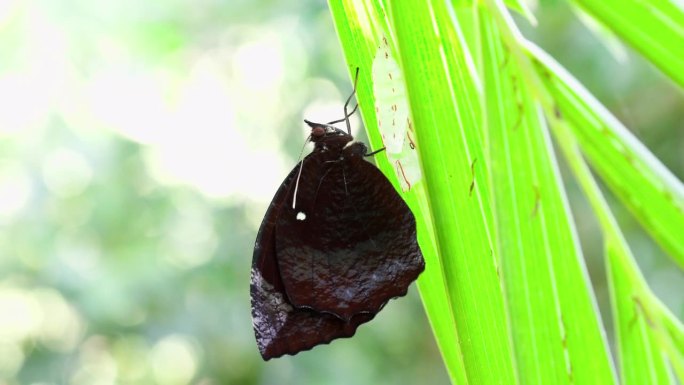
374 152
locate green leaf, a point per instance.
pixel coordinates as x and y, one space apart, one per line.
521 7
645 331
360 27
549 297
641 361
631 171
505 286
444 100
461 285
654 28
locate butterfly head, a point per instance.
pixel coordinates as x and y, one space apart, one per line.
326 135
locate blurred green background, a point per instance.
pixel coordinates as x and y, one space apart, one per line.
140 145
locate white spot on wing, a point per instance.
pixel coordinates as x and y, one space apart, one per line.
301 216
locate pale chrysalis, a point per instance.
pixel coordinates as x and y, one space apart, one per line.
391 107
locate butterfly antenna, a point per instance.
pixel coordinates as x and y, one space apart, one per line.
299 174
346 104
345 118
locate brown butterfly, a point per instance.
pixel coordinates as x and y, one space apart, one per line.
336 244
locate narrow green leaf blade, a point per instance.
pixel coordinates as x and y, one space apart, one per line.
551 305
641 182
532 299
444 103
641 361
642 323
654 28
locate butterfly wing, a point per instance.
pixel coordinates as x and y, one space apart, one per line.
349 245
279 327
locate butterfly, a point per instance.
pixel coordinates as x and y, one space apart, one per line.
336 244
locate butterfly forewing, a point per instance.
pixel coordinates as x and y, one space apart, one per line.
349 245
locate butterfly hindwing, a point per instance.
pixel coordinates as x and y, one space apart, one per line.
279 327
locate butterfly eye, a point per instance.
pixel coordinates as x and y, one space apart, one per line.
317 132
